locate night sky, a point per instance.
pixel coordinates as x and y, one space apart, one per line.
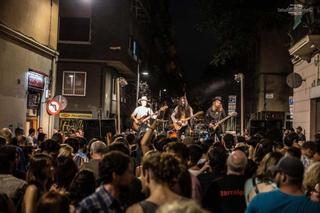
194 51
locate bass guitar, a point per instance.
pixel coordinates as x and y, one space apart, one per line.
144 119
184 121
214 126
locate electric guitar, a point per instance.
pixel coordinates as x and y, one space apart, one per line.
184 121
144 119
214 126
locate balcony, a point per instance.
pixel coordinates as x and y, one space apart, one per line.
305 37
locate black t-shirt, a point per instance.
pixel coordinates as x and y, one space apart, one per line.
226 195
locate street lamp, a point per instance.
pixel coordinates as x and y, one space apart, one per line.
240 78
121 82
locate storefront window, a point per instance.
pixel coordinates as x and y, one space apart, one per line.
74 83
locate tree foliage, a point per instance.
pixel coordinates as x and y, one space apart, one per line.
237 24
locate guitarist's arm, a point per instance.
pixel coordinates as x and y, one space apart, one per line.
134 116
173 115
146 139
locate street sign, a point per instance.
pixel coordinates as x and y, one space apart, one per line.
62 100
53 107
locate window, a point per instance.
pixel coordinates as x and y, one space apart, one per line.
74 83
75 30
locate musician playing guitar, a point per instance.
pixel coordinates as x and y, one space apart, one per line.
141 116
182 111
214 114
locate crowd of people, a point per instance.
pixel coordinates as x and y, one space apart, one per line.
269 172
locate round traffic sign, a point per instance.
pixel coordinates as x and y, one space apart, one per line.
53 107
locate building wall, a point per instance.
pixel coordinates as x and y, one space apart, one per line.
302 110
14 64
35 18
273 66
28 40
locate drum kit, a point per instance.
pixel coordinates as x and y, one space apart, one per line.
199 129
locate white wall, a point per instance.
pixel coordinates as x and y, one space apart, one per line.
14 64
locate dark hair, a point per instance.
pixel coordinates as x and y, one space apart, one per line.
217 158
82 142
31 130
52 202
228 140
18 131
195 153
179 149
294 152
290 139
7 157
37 173
65 171
57 137
165 167
131 138
263 147
41 137
74 143
113 161
82 185
49 146
309 145
118 146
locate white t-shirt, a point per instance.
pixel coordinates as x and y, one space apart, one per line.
142 111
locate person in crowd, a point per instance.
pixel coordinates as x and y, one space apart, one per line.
11 186
65 171
58 137
217 158
228 142
291 139
19 132
181 206
80 157
66 150
290 196
214 114
307 150
116 173
53 202
82 185
50 147
189 185
31 139
39 176
196 153
6 134
41 137
294 152
311 182
97 150
262 180
160 174
180 113
301 136
226 194
316 156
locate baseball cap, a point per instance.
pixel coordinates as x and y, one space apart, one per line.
292 166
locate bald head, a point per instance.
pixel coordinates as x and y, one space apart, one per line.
237 162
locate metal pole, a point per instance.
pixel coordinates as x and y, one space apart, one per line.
118 107
138 83
242 103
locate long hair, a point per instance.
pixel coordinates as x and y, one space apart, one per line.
183 109
214 108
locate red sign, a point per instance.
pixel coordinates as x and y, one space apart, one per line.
53 107
35 80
